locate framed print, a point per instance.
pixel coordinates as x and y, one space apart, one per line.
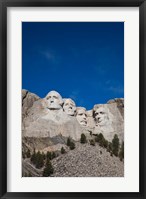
72 99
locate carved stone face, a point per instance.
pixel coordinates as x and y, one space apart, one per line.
54 100
81 116
100 115
69 107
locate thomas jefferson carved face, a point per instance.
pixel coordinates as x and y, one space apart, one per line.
54 100
100 115
69 107
81 116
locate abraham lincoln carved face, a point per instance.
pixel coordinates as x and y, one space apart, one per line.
100 115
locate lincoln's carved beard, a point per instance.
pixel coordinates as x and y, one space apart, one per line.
69 107
101 116
82 116
54 100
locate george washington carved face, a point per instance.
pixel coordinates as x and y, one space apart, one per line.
54 100
69 107
100 115
81 116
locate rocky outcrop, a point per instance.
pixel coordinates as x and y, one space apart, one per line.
84 161
119 103
87 161
48 122
53 116
29 169
27 101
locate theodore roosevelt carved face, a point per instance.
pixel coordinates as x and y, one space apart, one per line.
100 115
54 100
69 107
81 116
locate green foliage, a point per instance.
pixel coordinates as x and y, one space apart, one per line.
33 157
109 147
62 150
39 160
101 140
49 155
72 145
53 155
44 156
48 170
92 142
28 155
68 141
121 153
83 139
115 145
97 138
105 143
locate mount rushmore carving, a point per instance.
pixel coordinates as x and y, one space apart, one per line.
54 115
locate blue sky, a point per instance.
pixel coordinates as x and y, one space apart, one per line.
81 60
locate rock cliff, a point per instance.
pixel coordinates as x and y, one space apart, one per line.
48 122
54 116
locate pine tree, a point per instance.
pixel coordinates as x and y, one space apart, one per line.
44 156
62 150
53 155
109 147
121 153
97 138
49 155
101 139
68 141
28 155
72 145
115 145
105 143
92 142
83 139
33 157
48 170
39 160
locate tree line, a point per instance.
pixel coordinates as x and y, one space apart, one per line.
113 147
42 160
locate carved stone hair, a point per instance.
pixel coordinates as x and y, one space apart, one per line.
59 96
68 99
